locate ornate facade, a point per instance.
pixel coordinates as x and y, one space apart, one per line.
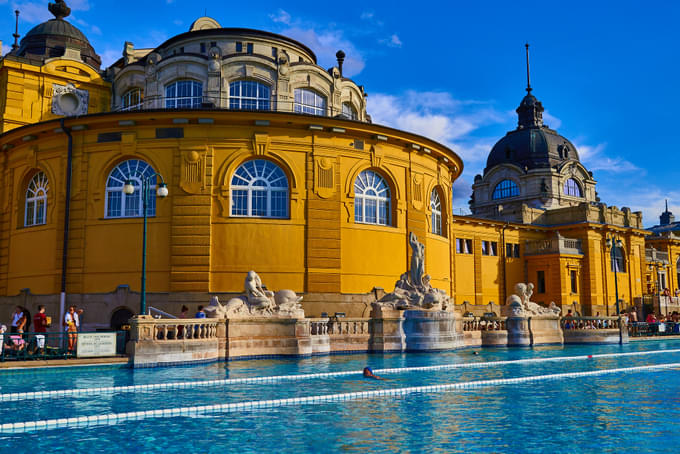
272 164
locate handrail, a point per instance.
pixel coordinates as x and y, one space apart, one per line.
160 312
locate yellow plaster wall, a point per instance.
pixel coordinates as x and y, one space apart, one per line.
27 90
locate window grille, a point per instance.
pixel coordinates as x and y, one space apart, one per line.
259 188
371 199
35 212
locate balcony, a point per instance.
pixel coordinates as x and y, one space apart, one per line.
658 257
244 105
559 245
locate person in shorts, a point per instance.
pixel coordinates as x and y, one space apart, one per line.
40 327
71 323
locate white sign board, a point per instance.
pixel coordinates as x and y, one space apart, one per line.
96 344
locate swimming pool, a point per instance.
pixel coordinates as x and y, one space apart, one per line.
502 400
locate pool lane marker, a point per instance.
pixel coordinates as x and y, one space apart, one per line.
33 395
116 418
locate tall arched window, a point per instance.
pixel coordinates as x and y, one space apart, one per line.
259 188
436 207
132 99
248 95
184 94
504 189
618 263
572 188
371 199
35 212
309 102
120 205
348 111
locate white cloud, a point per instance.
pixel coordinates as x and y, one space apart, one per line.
96 30
392 41
551 121
177 22
595 159
110 56
325 43
5 48
367 15
281 16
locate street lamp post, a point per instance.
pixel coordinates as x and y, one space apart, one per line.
161 191
615 243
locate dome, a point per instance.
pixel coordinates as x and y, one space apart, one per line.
50 39
532 145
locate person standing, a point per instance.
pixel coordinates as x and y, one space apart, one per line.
200 313
71 323
16 319
180 328
40 327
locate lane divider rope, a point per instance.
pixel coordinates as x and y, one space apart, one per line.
116 418
34 395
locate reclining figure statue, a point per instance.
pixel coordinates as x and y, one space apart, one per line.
520 304
258 302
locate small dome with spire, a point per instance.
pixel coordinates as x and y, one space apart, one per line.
533 144
51 38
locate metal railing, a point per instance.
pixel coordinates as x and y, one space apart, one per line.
225 103
51 345
580 323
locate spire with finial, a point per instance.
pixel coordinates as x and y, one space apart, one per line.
60 9
667 217
15 46
530 110
528 74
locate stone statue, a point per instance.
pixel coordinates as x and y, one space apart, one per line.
215 309
520 304
417 260
259 302
413 289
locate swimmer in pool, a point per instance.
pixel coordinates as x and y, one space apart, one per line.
368 373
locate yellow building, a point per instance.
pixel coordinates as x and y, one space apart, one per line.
271 164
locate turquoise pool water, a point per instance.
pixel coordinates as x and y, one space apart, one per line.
620 410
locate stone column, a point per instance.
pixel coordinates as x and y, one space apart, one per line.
387 331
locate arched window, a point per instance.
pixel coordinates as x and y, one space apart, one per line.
120 205
35 212
132 99
618 262
348 111
572 188
504 189
436 207
259 188
184 94
371 199
309 102
248 95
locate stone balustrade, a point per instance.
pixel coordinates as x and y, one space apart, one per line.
484 324
560 245
593 330
348 326
184 329
174 341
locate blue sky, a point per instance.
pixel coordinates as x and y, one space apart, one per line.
606 72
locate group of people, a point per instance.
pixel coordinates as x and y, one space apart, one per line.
16 339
